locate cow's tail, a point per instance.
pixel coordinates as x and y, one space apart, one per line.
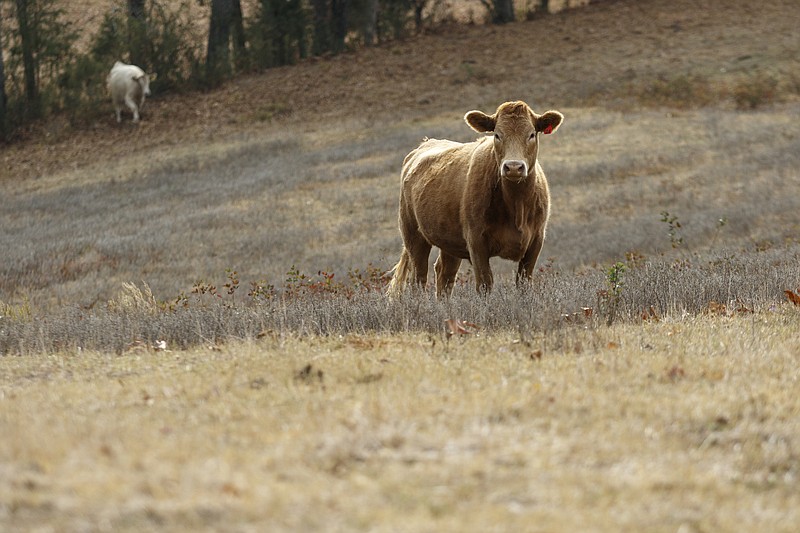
399 274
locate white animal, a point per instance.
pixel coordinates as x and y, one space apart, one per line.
128 85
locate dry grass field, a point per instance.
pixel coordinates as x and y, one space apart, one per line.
684 425
176 356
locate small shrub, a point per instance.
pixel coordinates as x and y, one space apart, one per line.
721 223
83 89
635 259
609 298
371 279
674 232
132 298
470 72
681 91
270 111
755 91
21 311
261 291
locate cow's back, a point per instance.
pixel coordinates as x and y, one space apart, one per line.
434 180
122 82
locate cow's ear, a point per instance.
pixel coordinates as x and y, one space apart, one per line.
549 122
480 121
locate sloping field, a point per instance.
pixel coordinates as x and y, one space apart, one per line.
151 379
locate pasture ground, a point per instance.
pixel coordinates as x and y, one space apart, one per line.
685 421
688 424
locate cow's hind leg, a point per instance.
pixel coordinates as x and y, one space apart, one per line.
446 268
133 107
413 260
416 246
419 251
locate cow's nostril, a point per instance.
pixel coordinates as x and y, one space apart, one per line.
514 168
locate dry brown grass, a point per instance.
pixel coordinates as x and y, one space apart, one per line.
686 424
684 421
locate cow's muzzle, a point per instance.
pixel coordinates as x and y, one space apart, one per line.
514 169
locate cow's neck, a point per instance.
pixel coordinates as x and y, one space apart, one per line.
518 198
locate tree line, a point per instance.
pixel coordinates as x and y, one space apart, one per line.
43 71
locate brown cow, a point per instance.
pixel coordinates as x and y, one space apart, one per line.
476 200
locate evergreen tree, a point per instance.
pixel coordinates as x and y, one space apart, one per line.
137 33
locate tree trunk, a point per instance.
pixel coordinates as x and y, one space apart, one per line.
219 33
419 7
239 42
3 101
503 11
137 33
339 23
28 61
544 6
322 25
371 23
301 28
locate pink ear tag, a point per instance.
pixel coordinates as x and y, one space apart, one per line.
548 130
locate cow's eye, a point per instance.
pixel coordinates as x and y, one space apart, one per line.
497 137
533 136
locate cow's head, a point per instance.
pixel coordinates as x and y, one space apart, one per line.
516 131
144 82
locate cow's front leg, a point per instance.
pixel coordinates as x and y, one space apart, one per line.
479 256
528 262
483 277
